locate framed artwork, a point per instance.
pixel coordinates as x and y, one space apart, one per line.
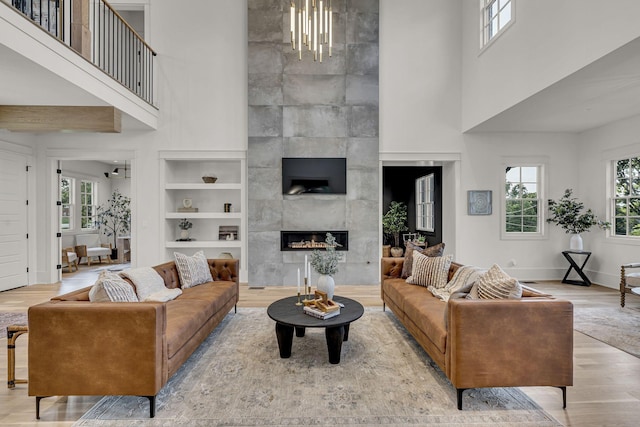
479 202
228 232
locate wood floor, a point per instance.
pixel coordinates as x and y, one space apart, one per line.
606 389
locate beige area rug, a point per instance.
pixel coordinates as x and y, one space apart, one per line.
619 327
11 318
236 378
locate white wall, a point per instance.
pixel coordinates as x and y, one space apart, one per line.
598 148
201 77
549 40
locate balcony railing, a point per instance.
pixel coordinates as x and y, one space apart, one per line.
98 33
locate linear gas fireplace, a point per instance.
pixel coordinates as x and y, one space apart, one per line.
310 240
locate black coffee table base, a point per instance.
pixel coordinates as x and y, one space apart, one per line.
335 337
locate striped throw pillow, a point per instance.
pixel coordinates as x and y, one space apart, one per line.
430 271
193 270
496 284
110 287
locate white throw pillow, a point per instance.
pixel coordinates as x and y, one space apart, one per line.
112 288
430 271
146 280
496 284
164 295
193 270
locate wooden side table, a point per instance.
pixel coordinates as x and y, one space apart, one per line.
578 268
13 332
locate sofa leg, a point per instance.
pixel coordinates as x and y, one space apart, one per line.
152 406
235 308
384 306
460 390
38 399
564 396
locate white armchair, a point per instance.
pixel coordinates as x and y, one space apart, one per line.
89 246
69 259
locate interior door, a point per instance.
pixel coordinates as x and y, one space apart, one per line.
13 221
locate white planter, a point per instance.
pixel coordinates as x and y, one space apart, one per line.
326 284
575 243
184 234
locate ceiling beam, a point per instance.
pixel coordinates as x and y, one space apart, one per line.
45 118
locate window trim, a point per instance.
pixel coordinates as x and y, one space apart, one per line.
429 180
72 208
612 196
94 196
484 44
542 192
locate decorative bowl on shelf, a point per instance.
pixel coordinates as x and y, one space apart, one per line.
209 179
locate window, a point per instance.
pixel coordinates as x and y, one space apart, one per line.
66 197
425 203
626 203
496 15
523 200
87 205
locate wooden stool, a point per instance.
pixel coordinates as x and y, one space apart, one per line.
13 332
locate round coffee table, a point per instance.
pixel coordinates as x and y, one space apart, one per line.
290 317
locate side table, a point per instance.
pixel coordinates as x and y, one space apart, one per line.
578 268
13 332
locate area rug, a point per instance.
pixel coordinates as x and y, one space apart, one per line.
11 318
617 326
236 378
113 267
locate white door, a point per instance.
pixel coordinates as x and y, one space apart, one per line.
13 221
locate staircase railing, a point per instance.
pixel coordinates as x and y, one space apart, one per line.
98 33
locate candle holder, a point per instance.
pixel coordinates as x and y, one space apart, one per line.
299 302
307 288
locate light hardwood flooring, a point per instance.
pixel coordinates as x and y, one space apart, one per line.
606 389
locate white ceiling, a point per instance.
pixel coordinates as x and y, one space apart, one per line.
603 92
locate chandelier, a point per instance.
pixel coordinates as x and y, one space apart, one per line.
311 26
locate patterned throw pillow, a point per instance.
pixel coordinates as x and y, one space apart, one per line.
463 279
110 287
146 280
496 284
430 271
192 270
407 265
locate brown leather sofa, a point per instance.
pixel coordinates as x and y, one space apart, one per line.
486 343
78 347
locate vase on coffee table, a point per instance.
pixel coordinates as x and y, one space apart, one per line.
326 284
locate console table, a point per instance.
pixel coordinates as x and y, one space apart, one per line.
578 268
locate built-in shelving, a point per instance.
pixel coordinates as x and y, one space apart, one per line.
181 175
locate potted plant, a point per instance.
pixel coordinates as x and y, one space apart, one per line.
326 264
114 218
394 222
567 213
184 226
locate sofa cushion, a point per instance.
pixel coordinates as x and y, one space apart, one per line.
427 313
110 287
430 271
184 318
89 240
146 280
193 270
407 266
496 284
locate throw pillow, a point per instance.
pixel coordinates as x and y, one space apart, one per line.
464 278
430 271
433 251
193 270
164 295
146 280
496 284
112 288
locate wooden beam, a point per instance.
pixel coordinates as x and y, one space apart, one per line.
45 118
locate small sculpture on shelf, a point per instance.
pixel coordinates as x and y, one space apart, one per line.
184 226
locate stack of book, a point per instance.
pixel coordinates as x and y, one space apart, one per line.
316 312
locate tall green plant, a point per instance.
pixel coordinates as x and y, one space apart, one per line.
567 213
114 217
395 221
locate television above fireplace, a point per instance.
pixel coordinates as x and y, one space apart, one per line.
321 175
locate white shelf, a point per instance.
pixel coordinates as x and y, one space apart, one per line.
196 186
203 215
205 244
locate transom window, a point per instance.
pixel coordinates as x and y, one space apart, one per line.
496 15
522 200
66 197
626 205
87 205
425 199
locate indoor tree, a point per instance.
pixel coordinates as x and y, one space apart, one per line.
114 217
394 221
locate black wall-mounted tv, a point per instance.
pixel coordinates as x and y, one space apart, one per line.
322 175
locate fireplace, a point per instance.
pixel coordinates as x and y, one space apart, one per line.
311 240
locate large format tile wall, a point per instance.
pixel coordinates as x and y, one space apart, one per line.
311 109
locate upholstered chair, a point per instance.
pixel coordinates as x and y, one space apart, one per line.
69 259
89 246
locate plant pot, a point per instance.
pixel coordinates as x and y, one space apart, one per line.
326 284
114 253
396 252
184 234
575 243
